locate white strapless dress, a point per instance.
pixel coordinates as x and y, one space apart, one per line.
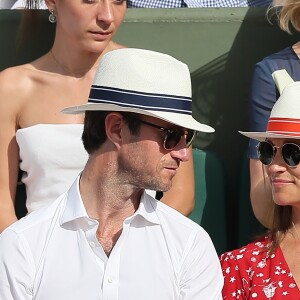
52 156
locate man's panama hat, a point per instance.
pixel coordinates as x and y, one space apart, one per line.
143 82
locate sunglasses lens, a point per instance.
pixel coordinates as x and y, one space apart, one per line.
173 137
291 154
190 137
265 153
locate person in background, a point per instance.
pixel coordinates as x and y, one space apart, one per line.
36 137
173 3
105 238
195 3
21 4
263 95
268 268
6 4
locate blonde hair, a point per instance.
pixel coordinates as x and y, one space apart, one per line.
288 14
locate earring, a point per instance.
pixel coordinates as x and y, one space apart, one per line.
52 16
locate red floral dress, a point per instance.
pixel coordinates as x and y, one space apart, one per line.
250 273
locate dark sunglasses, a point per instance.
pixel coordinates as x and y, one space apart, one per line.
172 136
290 153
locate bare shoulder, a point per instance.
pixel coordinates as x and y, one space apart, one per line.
14 78
16 84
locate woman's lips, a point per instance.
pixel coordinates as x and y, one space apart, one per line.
279 181
100 35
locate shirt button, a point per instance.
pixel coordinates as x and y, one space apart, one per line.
110 279
28 290
91 223
92 244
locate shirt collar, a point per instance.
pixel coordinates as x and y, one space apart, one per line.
75 212
147 209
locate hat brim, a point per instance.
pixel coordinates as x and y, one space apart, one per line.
182 120
261 136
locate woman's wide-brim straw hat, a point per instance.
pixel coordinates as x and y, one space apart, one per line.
143 82
284 121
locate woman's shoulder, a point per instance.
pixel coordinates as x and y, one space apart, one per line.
21 80
12 71
14 84
18 86
16 76
254 249
283 59
25 71
285 54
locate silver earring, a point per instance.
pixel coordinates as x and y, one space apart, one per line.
52 16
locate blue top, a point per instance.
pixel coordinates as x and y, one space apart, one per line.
263 92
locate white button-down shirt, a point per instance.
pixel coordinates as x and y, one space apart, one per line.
53 254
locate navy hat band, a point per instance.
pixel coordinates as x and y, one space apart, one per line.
140 100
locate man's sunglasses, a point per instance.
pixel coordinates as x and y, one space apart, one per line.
172 136
290 153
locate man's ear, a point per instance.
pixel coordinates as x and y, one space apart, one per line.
114 123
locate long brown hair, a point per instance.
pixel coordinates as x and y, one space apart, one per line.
282 222
33 25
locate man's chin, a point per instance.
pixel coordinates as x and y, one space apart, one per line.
160 187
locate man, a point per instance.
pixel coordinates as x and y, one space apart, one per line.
105 238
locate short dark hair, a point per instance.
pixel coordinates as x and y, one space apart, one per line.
94 133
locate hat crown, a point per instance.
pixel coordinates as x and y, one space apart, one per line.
139 76
285 115
288 104
284 121
282 79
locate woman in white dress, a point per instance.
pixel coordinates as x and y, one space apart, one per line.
33 130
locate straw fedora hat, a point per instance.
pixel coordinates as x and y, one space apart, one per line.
143 82
284 121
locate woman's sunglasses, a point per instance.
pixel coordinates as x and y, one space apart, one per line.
173 136
290 153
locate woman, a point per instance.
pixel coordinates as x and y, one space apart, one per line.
47 142
268 268
262 98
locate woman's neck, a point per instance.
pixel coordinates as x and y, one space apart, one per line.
76 63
